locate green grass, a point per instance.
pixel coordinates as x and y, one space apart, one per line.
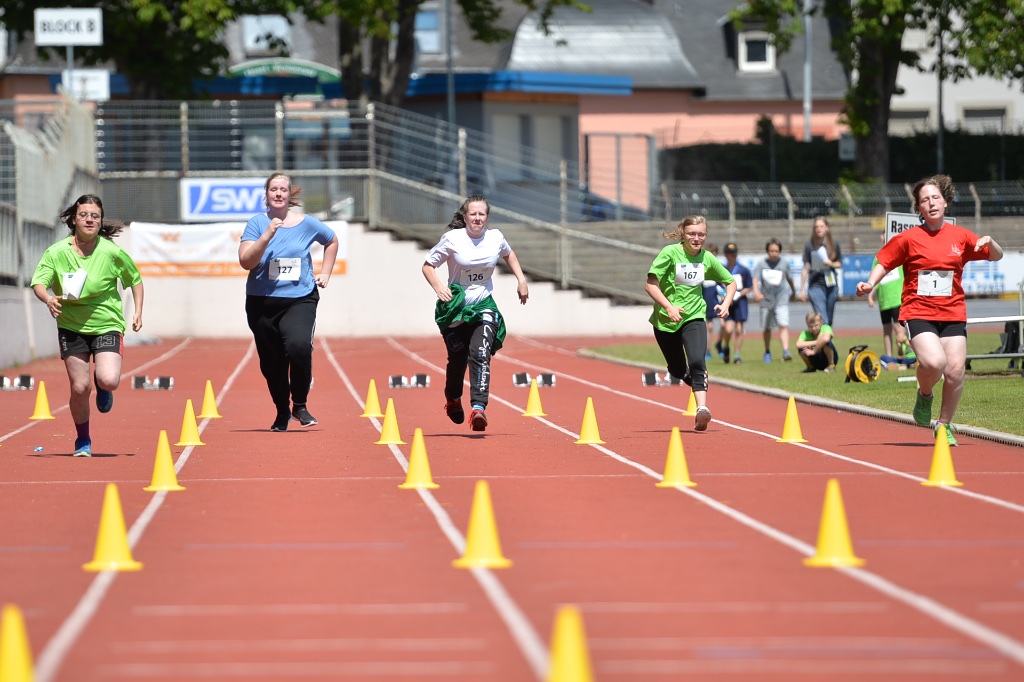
991 399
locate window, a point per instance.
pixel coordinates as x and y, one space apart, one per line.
909 121
428 31
979 121
756 52
266 34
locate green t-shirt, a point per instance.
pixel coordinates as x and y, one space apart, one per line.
680 277
98 309
806 335
890 290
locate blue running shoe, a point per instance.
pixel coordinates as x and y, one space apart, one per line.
767 358
104 399
83 447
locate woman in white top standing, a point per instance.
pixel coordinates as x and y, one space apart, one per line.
466 314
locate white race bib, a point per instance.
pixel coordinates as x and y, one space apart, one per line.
477 276
890 276
285 269
772 278
690 274
830 279
935 283
73 283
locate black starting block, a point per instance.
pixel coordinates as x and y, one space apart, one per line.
415 381
22 382
157 384
523 379
655 379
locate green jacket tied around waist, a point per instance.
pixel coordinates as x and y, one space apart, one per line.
447 313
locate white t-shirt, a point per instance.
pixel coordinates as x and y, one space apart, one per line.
470 261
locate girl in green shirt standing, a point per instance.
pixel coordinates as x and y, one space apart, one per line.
674 283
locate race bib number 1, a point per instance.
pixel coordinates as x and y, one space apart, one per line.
285 269
690 274
935 283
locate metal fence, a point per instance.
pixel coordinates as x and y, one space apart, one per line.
407 173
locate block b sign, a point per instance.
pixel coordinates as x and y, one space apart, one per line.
206 200
68 27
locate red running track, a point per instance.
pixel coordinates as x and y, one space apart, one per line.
296 556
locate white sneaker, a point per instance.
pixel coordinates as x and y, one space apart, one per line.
700 421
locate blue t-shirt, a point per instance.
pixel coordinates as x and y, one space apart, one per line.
286 269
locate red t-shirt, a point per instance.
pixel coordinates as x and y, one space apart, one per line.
933 264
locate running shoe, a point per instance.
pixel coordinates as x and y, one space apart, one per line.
302 415
829 369
786 357
923 408
453 408
951 432
701 420
281 423
767 358
83 447
104 399
478 419
718 347
725 354
707 355
737 361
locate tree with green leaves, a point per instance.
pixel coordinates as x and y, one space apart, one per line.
159 47
381 34
978 38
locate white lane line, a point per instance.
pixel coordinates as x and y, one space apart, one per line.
56 650
994 639
161 358
529 641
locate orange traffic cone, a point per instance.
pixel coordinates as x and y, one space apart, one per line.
570 658
372 402
483 549
676 471
15 654
791 429
112 550
164 477
834 546
418 474
189 429
42 404
589 434
389 429
533 408
941 473
209 403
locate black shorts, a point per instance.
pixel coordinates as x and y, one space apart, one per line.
739 310
943 330
890 315
73 343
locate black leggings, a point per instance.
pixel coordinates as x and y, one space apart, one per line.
283 331
469 344
684 351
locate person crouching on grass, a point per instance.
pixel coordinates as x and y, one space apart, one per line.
815 345
674 283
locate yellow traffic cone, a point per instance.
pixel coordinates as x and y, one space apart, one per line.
533 408
418 475
164 477
189 429
483 550
589 434
389 430
42 404
112 550
209 403
372 402
834 546
791 429
676 471
15 654
691 407
942 473
570 658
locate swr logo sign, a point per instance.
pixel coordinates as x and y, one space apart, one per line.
220 199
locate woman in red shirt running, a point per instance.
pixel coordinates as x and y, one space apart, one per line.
933 308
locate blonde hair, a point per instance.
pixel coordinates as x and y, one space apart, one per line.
813 316
293 190
677 234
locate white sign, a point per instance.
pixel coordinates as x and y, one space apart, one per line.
68 27
847 147
901 222
87 84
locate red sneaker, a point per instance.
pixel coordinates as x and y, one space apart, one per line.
478 420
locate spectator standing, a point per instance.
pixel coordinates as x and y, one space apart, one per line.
773 287
709 290
732 328
819 280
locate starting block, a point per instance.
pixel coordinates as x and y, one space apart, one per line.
655 379
523 379
415 381
157 384
22 382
